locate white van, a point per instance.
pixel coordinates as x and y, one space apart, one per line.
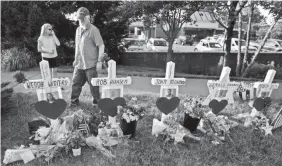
234 45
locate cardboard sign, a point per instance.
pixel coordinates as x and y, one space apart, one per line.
112 88
169 87
222 89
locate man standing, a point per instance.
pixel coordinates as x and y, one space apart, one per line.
89 54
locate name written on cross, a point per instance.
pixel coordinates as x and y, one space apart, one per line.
55 82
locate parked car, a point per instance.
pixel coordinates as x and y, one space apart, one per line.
234 45
272 45
157 44
133 44
208 46
184 40
254 44
211 38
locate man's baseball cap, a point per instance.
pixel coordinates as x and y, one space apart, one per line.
82 12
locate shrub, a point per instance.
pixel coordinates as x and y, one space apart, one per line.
259 70
17 59
6 94
278 70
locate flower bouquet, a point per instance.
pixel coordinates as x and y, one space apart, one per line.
217 126
194 112
109 134
130 114
172 130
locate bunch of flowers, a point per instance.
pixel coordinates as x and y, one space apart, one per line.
259 122
194 107
217 126
132 111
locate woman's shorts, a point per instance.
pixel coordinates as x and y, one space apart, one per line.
53 62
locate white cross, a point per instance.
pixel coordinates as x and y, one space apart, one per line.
222 89
168 83
111 85
264 89
47 83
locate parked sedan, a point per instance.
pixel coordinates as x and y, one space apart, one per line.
132 44
184 40
157 44
208 46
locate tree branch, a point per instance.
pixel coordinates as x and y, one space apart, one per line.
241 6
219 21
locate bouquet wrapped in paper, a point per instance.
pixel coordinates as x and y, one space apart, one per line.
172 129
217 126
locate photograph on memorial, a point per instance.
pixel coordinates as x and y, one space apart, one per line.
221 93
112 93
49 95
168 92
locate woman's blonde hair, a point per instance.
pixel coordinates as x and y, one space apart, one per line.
44 29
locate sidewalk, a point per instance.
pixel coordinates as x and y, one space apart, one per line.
196 87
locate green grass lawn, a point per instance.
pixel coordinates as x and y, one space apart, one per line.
247 147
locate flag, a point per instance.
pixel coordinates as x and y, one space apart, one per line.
277 122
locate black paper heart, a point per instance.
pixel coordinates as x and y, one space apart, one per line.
261 103
217 106
51 110
166 106
109 106
120 101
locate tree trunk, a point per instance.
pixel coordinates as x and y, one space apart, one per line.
260 47
149 32
170 51
238 67
245 59
228 43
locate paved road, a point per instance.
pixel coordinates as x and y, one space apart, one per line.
192 87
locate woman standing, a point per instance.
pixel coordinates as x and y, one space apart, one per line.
47 43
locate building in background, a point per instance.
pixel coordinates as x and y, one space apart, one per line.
203 24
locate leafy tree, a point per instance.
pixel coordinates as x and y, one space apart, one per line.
275 8
28 17
170 15
276 33
231 9
253 17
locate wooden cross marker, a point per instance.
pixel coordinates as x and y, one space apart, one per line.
47 84
222 89
264 89
112 87
169 84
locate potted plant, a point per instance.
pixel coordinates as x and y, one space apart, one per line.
130 114
75 141
193 112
